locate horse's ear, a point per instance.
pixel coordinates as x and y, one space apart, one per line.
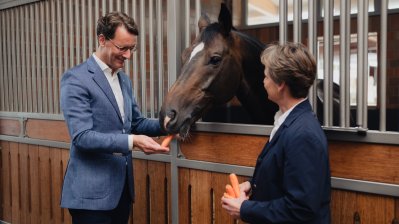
203 22
225 19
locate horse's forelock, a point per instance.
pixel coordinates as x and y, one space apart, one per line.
210 32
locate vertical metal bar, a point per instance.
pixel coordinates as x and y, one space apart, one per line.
48 92
143 59
118 5
298 21
7 61
42 80
344 62
135 54
24 57
151 43
78 51
174 49
54 75
328 61
17 60
360 67
65 31
34 51
383 64
83 18
283 21
111 5
90 22
38 60
197 14
365 62
160 52
187 23
126 10
29 69
312 34
13 91
71 36
104 7
2 61
59 50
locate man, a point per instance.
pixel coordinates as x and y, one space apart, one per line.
105 124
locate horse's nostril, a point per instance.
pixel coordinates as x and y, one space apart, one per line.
171 114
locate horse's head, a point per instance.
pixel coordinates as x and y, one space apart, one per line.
211 74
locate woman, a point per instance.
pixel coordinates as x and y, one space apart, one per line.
291 181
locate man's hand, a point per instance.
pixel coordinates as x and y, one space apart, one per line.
148 145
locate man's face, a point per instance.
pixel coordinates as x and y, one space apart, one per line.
118 49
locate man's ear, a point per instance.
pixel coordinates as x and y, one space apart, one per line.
101 40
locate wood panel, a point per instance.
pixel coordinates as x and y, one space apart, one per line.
201 200
242 149
369 207
10 127
157 192
140 212
361 161
184 195
6 181
47 130
365 161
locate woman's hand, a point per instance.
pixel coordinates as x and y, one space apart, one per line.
233 205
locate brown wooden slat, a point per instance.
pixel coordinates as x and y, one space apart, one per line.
169 193
140 206
15 199
47 130
219 182
6 181
65 216
365 161
44 183
24 182
343 206
156 172
56 178
200 196
184 197
242 149
34 184
375 209
10 127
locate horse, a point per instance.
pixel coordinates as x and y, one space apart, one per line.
221 63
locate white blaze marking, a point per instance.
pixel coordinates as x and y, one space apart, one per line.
197 49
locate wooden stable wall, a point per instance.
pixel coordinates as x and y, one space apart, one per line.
31 178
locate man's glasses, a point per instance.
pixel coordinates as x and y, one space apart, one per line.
124 49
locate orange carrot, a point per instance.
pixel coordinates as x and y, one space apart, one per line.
166 141
230 191
227 195
235 184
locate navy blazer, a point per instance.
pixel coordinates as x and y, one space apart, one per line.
291 182
95 174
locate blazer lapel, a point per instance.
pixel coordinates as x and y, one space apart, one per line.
126 97
103 83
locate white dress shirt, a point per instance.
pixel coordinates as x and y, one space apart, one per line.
280 117
113 81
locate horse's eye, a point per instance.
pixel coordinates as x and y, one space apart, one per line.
215 60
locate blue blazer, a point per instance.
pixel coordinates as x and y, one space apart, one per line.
95 175
291 181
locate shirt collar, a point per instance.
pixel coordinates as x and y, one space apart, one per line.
104 67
